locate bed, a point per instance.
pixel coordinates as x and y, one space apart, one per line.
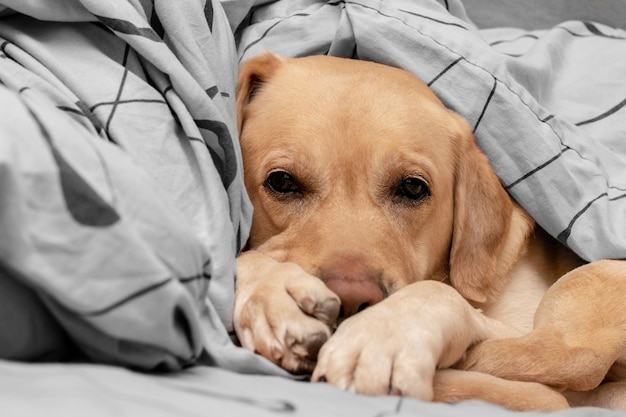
122 206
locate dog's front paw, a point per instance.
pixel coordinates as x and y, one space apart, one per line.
375 353
395 346
281 312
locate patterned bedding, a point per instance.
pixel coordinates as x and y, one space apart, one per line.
122 206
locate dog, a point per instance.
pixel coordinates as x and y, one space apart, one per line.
385 257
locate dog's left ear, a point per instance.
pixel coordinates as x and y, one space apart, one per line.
253 73
490 229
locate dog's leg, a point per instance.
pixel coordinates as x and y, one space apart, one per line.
395 346
281 312
451 385
580 331
608 395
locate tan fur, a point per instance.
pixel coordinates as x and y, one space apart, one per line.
416 281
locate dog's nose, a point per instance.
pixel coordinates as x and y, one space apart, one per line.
357 291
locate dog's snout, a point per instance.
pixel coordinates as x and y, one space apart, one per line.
357 288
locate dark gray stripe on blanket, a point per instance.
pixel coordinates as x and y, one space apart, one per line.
534 171
119 94
443 22
156 24
131 101
269 29
127 28
400 401
198 277
603 115
212 91
565 234
578 35
517 38
619 197
275 406
127 299
227 166
84 205
594 29
84 111
406 12
89 114
71 110
446 69
482 113
141 292
208 13
238 242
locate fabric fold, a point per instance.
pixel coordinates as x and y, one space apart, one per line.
122 194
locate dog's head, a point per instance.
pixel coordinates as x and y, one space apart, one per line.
361 175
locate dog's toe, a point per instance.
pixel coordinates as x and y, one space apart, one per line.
315 299
302 342
309 347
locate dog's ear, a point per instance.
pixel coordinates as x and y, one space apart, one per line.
490 229
253 73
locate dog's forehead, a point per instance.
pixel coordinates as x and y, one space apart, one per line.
331 80
351 98
323 110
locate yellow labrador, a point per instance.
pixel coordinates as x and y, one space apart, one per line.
375 210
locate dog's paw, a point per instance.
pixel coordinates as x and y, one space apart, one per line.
375 353
395 346
281 312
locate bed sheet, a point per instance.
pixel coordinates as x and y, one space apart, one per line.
122 206
104 391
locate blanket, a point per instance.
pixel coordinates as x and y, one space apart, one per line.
122 206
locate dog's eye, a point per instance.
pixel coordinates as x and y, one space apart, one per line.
413 189
282 182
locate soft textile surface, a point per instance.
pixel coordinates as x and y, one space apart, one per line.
98 391
121 199
543 14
